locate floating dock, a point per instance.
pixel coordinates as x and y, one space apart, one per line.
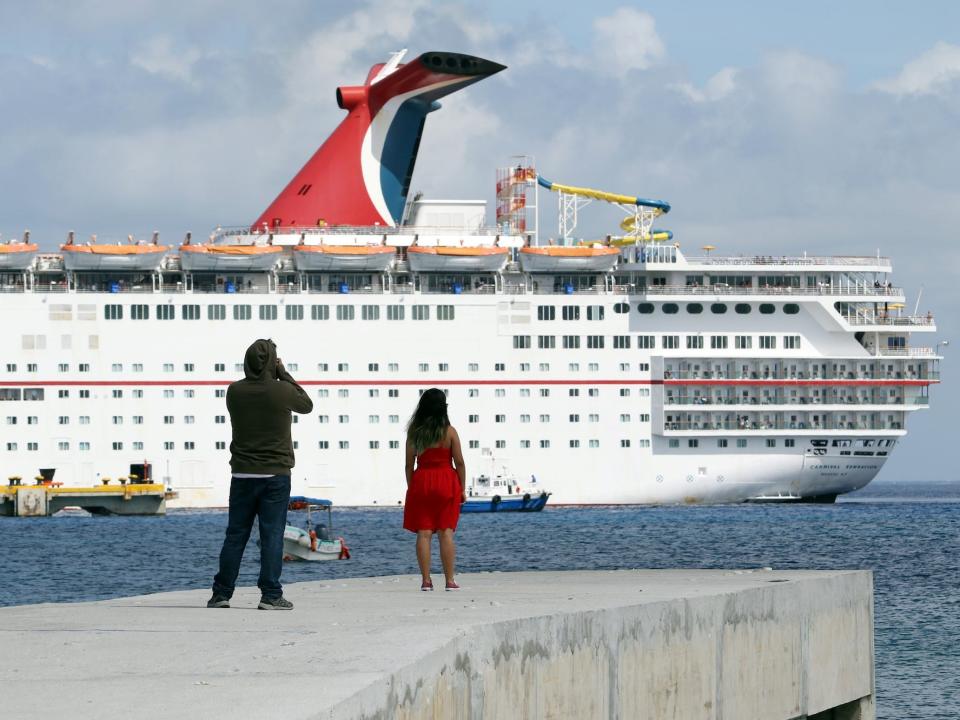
637 644
116 499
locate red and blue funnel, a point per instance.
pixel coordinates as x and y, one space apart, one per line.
361 174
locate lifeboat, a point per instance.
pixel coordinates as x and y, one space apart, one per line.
17 255
210 257
568 258
343 258
100 256
457 259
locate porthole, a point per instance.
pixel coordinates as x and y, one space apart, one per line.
791 309
621 308
742 308
645 308
718 308
767 309
694 308
671 308
659 478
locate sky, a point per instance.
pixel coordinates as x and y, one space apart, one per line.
775 128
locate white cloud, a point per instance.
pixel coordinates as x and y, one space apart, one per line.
159 56
627 40
929 74
716 88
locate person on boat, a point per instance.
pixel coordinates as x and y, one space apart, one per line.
435 490
261 456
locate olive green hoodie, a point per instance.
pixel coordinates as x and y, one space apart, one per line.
260 407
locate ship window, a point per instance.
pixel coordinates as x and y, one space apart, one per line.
571 312
624 443
421 312
319 312
694 342
544 444
546 342
767 309
741 442
718 308
242 312
791 342
394 312
546 312
693 442
742 308
694 308
574 443
721 442
216 312
595 342
140 312
718 342
574 418
621 342
343 367
268 312
789 442
791 309
621 308
370 312
113 312
671 308
166 312
191 312
294 312
445 312
571 342
743 342
674 443
771 442
521 342
671 342
768 342
345 312
645 308
525 443
646 342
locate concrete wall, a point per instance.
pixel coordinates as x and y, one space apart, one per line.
782 648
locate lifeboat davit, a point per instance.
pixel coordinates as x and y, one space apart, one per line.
120 256
457 259
343 258
17 255
568 258
211 257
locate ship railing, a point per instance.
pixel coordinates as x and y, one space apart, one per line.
724 289
761 377
907 352
371 230
122 289
701 401
760 426
806 260
895 320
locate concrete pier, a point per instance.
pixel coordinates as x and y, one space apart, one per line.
731 645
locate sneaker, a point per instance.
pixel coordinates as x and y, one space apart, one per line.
451 585
426 585
280 603
218 601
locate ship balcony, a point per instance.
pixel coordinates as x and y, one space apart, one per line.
753 423
700 403
882 322
822 263
885 294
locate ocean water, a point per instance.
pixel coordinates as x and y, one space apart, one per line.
907 533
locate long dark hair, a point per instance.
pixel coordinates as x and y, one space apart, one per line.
429 421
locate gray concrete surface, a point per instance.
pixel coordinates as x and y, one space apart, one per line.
626 644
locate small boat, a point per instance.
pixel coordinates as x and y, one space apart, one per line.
502 494
16 255
238 257
457 259
569 258
313 541
95 256
344 258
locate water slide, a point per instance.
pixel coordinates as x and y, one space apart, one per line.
659 207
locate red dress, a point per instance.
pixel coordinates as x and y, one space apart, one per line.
433 497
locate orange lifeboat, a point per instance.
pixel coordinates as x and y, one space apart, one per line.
101 256
457 259
210 257
343 258
568 258
17 255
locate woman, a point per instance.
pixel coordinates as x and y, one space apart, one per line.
434 489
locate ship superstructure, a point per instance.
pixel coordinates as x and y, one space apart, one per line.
617 371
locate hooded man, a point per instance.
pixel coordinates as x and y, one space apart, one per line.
261 456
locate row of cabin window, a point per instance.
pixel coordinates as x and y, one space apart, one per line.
648 342
270 312
596 312
723 442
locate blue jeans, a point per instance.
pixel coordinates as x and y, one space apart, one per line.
266 499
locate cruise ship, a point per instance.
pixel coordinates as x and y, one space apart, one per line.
614 370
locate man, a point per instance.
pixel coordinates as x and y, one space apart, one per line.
261 456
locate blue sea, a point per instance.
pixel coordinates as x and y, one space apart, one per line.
907 533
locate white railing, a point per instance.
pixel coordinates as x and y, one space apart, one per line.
805 260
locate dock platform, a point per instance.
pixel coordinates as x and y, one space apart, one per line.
679 644
116 499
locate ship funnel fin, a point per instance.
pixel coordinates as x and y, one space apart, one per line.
361 174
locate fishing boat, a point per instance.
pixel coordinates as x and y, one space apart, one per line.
502 493
313 541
